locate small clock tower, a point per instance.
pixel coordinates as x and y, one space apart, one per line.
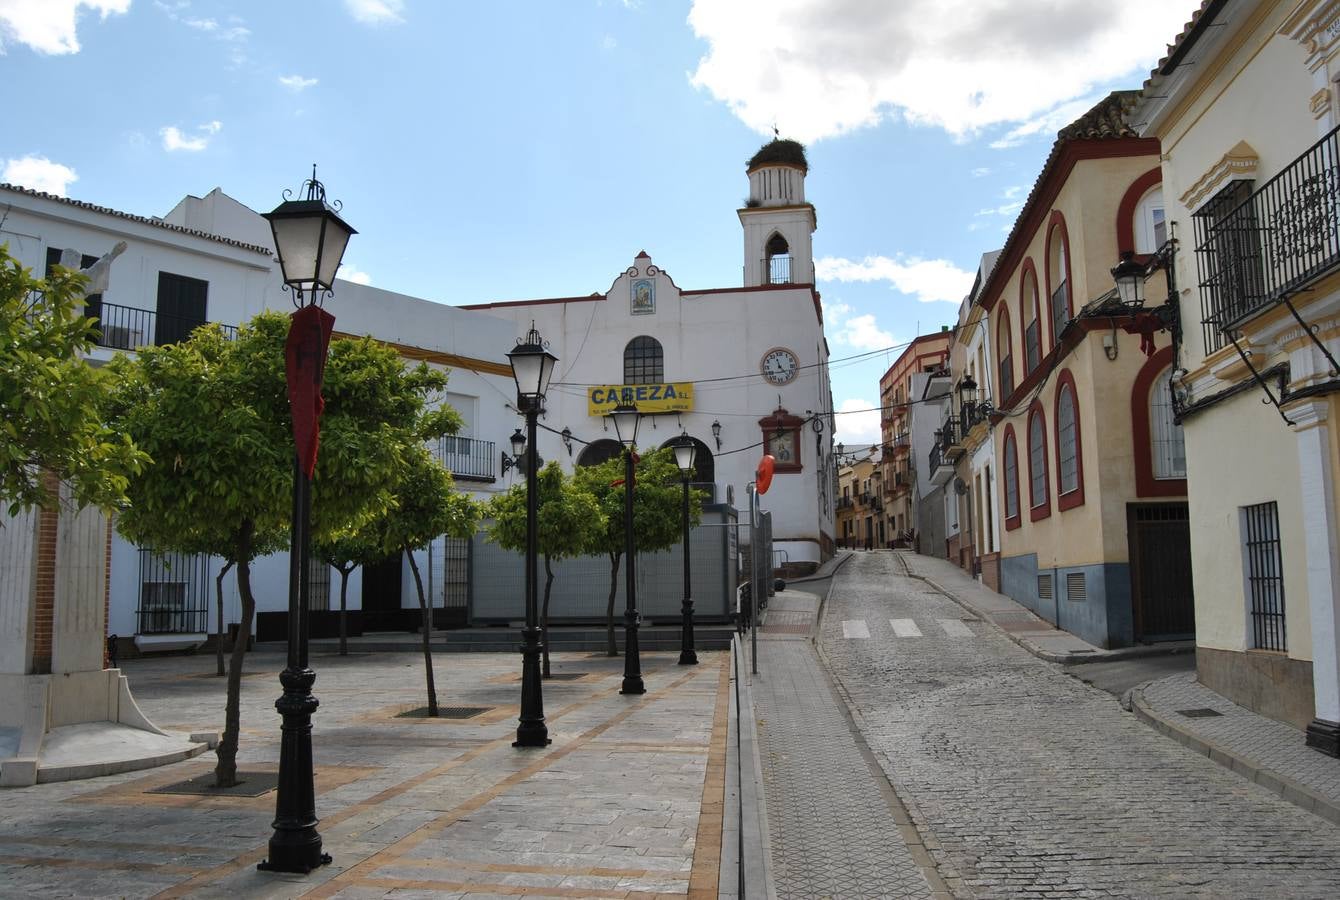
777 220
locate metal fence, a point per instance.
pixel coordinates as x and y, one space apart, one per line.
449 573
174 593
581 586
468 457
129 328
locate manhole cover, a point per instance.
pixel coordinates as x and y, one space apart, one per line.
1202 713
249 784
445 712
566 676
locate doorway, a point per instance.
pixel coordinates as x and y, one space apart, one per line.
1159 536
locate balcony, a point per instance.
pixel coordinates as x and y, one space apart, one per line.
1257 248
129 328
844 503
777 270
972 414
944 451
468 459
902 442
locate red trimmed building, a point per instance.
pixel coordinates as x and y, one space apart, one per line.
1090 484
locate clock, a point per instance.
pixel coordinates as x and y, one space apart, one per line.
780 366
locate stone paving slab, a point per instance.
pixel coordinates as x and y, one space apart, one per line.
626 802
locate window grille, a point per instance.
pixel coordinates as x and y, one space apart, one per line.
1060 309
1037 462
1167 442
1032 345
1006 375
1076 587
1067 463
174 593
1011 478
1265 575
643 361
1229 253
318 584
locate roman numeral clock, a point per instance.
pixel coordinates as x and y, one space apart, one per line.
780 366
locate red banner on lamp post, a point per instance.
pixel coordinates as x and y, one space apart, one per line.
305 366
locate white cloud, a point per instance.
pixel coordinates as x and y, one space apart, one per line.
929 280
296 82
349 273
859 426
823 67
608 42
376 12
980 171
175 139
39 174
50 26
1047 124
859 332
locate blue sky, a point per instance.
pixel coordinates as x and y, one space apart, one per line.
530 148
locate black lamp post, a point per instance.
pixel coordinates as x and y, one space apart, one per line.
532 366
309 240
685 449
626 419
1130 278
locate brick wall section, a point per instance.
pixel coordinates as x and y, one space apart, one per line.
45 581
991 571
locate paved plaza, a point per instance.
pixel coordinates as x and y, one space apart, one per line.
627 802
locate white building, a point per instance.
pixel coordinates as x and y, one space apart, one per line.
745 365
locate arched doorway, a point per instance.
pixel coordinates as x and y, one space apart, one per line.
596 452
704 466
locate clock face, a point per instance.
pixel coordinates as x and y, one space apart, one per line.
780 366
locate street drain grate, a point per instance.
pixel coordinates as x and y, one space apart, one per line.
445 712
249 784
1202 713
566 676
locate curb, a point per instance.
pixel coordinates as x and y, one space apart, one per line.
1287 788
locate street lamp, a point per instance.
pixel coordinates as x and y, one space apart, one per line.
532 366
626 419
685 449
310 238
1130 278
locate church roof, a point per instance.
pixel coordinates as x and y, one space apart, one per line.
780 151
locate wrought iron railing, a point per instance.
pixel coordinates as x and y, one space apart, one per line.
777 270
129 328
468 457
174 593
1256 248
1006 376
901 440
973 413
947 437
1033 345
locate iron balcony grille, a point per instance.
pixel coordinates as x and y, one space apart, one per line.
777 270
467 457
1033 345
129 328
1006 376
1265 575
1060 308
972 413
174 593
1255 248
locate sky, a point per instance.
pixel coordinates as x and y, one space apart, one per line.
521 149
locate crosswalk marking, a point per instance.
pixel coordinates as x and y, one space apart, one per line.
905 628
955 628
855 628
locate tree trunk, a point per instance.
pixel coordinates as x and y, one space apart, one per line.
426 627
544 613
613 649
218 639
344 609
225 771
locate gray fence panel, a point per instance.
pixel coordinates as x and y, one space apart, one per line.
581 586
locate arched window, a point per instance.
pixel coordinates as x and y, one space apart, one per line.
1003 354
1011 481
704 466
1151 225
643 361
596 452
1038 496
777 264
1165 434
1058 277
1069 465
1028 314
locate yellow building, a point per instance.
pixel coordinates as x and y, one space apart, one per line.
1245 109
859 503
1089 477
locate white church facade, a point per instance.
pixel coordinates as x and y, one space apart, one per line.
746 365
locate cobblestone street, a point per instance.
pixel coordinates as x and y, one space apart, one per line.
1026 782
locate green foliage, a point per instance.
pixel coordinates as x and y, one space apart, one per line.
657 500
52 403
425 505
569 521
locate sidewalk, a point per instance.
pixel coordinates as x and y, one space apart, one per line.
1269 753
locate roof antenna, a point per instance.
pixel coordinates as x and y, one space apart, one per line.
776 135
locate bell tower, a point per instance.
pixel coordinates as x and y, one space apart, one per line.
778 222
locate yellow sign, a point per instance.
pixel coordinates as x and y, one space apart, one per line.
648 398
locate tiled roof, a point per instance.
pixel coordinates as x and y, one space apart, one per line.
143 220
1190 31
